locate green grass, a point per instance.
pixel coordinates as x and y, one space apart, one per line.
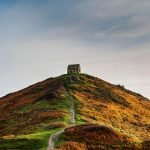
22 143
78 117
43 104
65 103
79 120
36 141
59 141
24 109
39 139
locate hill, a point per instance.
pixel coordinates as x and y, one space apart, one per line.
106 111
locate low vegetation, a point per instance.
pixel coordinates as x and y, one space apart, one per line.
103 112
98 137
33 141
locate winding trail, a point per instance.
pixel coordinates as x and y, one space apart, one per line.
53 138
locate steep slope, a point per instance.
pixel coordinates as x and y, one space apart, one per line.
31 115
113 105
24 111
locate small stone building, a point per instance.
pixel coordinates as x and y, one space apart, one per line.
74 68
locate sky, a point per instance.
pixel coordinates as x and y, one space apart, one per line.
110 39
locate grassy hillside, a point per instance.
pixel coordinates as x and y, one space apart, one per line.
106 104
95 136
99 137
31 115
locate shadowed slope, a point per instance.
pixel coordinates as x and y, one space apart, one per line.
26 110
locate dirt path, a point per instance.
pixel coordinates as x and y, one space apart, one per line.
53 138
72 111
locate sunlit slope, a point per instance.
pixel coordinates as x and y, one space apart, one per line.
106 104
34 113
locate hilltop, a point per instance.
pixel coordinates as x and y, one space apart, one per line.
109 116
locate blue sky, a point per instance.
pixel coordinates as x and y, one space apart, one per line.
109 38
